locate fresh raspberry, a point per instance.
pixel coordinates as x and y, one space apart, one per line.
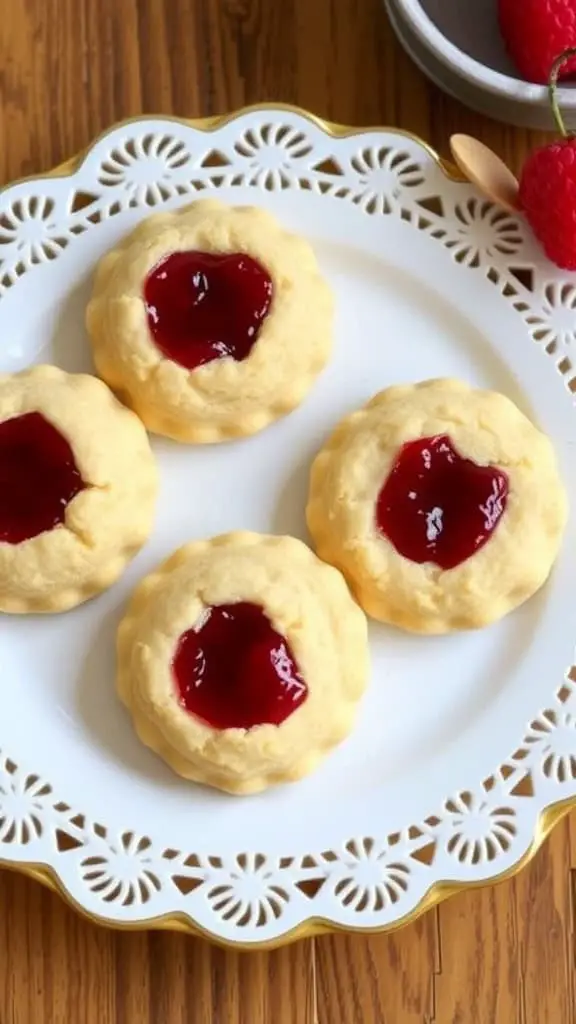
548 199
547 191
536 32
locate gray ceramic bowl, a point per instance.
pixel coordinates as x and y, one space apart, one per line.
457 43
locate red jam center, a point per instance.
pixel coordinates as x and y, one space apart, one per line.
203 306
234 671
38 477
438 507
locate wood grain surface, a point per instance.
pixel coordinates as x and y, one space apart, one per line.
501 955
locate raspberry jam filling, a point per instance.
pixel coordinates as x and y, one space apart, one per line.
38 477
234 671
203 306
436 506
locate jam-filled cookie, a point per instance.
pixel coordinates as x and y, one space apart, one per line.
210 321
242 660
442 505
78 486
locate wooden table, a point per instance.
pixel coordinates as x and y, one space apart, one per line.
504 955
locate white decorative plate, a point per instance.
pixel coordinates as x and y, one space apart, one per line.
463 742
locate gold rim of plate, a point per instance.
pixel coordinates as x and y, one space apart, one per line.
313 926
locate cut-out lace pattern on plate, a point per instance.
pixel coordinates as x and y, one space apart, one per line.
369 881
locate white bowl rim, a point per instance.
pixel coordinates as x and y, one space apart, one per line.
471 69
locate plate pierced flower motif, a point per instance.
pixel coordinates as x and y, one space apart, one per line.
272 154
123 873
371 879
553 736
31 232
384 176
484 233
143 168
24 800
248 892
384 195
554 324
480 831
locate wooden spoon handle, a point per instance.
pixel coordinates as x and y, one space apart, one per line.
486 170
